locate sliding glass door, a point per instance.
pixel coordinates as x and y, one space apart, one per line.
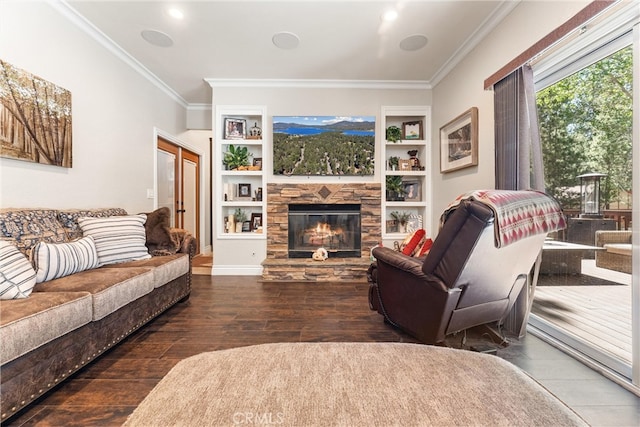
587 294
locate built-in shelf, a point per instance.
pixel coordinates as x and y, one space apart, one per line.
241 252
412 172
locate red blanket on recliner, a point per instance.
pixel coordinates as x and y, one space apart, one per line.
518 214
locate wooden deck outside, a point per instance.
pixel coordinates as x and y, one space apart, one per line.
597 314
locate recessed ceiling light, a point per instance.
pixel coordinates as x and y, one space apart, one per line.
390 15
415 42
176 13
157 38
285 40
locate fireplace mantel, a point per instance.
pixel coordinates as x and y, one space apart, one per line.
277 266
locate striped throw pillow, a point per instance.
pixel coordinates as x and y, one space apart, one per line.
17 276
117 238
54 260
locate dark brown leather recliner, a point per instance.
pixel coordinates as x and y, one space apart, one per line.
464 281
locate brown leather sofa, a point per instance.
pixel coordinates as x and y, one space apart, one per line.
67 322
464 281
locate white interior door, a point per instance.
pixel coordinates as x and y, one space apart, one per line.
167 182
178 179
190 195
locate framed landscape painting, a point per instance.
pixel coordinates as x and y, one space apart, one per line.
323 145
459 142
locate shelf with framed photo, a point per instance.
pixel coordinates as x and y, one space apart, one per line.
238 152
407 160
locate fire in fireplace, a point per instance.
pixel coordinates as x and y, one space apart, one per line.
334 227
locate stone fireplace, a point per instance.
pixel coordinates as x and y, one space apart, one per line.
280 266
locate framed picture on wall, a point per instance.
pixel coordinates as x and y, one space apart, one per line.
293 136
459 142
35 125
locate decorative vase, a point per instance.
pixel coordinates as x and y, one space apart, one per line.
231 224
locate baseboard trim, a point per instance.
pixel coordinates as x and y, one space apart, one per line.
236 270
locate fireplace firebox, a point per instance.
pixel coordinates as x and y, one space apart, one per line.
334 227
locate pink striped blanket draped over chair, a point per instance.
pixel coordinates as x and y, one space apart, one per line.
518 214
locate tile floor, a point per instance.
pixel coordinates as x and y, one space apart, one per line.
598 400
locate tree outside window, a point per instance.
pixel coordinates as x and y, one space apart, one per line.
586 126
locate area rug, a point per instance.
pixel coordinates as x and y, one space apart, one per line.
349 384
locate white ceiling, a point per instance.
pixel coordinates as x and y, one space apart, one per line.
338 40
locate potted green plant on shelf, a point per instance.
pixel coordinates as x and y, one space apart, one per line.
236 158
393 162
393 134
240 217
401 218
394 188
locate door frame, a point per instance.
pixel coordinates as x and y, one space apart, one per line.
623 20
159 133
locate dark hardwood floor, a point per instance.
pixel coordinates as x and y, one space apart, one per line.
223 312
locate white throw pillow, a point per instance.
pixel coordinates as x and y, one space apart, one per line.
53 260
117 238
17 276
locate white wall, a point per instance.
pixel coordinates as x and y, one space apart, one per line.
115 111
463 88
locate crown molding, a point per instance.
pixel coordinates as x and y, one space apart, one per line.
321 84
81 22
474 39
199 107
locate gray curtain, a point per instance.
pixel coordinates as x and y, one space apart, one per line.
517 137
518 163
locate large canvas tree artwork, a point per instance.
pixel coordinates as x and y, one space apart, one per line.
35 118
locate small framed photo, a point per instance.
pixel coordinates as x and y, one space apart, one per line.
459 142
404 164
235 128
244 190
414 222
259 194
257 161
412 130
392 226
412 190
246 226
256 221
